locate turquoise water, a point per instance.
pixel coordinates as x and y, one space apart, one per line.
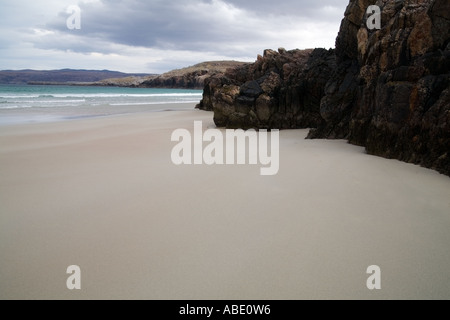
25 103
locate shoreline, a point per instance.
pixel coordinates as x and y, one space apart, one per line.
103 194
22 116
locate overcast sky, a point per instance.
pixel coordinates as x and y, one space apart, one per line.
155 36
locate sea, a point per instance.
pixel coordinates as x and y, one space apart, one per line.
20 104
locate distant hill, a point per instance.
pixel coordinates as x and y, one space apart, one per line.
65 76
191 77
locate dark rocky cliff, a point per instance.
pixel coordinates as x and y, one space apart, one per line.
280 90
391 91
387 90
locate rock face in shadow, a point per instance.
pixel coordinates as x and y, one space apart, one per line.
387 89
280 90
391 89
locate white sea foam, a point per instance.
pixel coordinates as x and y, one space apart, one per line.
100 95
53 101
63 102
11 107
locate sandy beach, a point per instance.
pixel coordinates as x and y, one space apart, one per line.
103 194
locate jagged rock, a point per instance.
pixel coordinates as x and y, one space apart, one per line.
390 91
251 90
280 90
387 90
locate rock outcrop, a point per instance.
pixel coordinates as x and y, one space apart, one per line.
391 89
387 89
191 80
128 82
190 77
280 90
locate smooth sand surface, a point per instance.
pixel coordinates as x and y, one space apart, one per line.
103 194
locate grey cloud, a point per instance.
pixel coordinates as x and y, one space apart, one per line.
161 33
198 25
298 8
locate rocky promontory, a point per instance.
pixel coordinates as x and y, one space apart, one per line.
282 89
191 77
386 89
